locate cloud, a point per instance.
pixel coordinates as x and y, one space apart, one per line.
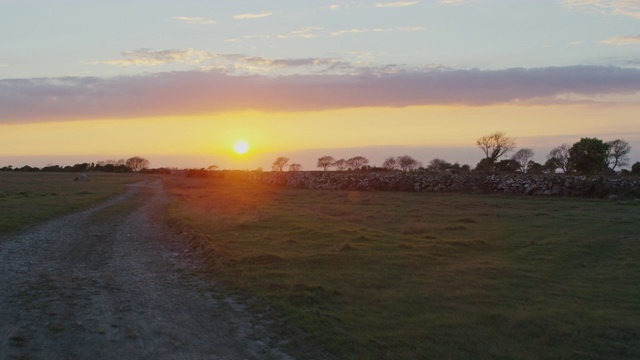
630 8
453 2
147 57
622 40
319 32
229 63
253 15
195 20
396 4
200 92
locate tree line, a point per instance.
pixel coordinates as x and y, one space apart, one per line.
133 164
588 156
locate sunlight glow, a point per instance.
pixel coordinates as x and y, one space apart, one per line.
241 147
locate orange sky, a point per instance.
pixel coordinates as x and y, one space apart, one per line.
270 134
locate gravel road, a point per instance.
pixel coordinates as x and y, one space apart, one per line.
94 285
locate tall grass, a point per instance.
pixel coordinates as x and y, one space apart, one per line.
418 275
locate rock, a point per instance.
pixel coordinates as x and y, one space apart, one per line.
81 177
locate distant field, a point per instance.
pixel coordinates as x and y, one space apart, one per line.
28 198
421 275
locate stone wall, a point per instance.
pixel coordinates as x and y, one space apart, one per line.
558 184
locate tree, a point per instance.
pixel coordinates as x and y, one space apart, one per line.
588 156
390 163
507 166
340 165
213 168
439 165
279 163
522 157
635 168
535 168
559 157
617 154
407 163
325 162
295 167
356 162
136 163
495 145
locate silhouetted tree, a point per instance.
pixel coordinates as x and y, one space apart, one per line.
213 168
390 163
295 167
507 166
356 162
522 157
137 163
635 168
280 163
407 163
495 145
535 168
325 162
617 154
340 165
439 165
588 156
559 157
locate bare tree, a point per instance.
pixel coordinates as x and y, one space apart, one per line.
356 162
295 167
137 163
495 145
559 156
617 154
340 165
522 157
407 163
325 162
279 163
390 163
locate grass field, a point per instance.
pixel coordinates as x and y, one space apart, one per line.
29 198
421 275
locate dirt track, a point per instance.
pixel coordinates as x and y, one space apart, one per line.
96 286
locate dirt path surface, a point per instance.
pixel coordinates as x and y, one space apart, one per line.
86 286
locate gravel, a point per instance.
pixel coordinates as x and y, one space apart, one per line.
82 287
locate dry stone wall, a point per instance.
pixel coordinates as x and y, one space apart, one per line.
558 185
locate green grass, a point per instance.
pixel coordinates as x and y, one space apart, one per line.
29 198
420 275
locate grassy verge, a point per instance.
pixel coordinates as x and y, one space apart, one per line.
417 275
28 198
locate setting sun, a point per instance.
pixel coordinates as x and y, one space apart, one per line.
241 147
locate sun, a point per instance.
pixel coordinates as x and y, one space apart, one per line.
241 147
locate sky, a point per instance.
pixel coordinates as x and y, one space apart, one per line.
179 82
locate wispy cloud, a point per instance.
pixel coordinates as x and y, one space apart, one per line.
316 32
253 15
629 8
622 40
396 4
229 63
195 20
147 57
208 92
453 2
